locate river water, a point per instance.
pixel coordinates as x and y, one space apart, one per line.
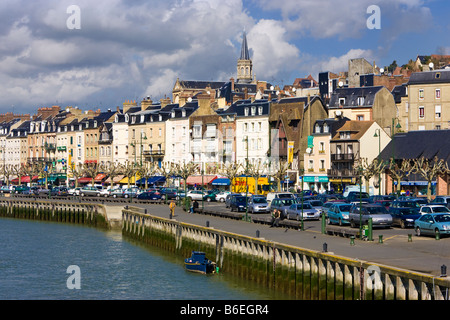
38 259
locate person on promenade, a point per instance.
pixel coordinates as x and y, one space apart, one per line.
275 218
194 206
172 208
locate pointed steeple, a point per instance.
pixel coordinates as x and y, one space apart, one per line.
244 48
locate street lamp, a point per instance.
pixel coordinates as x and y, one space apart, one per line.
378 135
145 138
246 179
398 126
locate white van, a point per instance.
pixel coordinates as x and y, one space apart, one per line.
356 188
279 195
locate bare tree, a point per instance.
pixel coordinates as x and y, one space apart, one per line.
397 171
256 170
369 170
281 168
112 170
231 171
18 171
129 170
7 172
167 169
429 170
91 170
76 171
147 170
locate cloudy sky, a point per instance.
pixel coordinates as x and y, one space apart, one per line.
127 50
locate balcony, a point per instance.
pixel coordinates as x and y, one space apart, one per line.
105 141
343 157
62 148
50 146
340 173
153 153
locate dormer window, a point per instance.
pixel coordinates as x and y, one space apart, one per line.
133 119
253 111
116 119
317 128
260 110
142 118
183 113
325 128
341 101
360 101
173 114
246 112
95 123
344 135
127 118
160 117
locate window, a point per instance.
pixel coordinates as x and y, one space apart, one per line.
437 112
246 111
253 111
245 127
360 101
421 112
421 94
317 128
438 93
260 110
406 107
311 165
350 149
360 117
325 128
341 101
322 147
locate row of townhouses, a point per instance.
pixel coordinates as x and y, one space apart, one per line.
321 128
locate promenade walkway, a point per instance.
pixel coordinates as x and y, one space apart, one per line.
422 254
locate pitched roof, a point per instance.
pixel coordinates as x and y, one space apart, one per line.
351 96
415 144
356 128
435 76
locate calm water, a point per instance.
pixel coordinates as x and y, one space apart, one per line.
34 257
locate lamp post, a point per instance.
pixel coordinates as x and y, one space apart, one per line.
378 135
398 126
302 170
246 179
145 138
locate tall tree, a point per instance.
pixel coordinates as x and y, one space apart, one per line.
369 170
256 170
231 171
76 171
429 170
112 170
281 169
129 170
147 170
398 171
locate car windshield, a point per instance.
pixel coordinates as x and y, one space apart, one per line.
408 204
407 211
442 218
259 200
440 209
376 210
316 203
240 199
287 202
305 206
344 208
284 195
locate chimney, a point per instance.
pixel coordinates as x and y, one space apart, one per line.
232 84
164 102
147 102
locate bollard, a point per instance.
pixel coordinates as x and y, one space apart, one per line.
323 223
438 235
370 230
352 240
145 211
443 270
257 233
380 238
207 224
325 247
409 237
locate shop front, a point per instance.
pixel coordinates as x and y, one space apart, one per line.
317 183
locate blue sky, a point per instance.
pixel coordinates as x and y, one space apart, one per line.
127 50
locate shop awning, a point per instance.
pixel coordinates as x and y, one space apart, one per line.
197 180
221 182
132 180
85 180
99 178
115 179
152 180
25 179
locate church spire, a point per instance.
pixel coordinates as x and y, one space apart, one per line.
244 65
244 48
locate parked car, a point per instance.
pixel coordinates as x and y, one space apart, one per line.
442 200
5 189
89 191
131 192
239 203
296 210
229 197
221 196
117 193
170 193
104 192
404 217
339 213
22 189
374 198
149 196
258 204
437 208
59 191
356 196
195 194
380 216
433 224
404 204
279 195
420 201
210 196
316 204
282 205
74 191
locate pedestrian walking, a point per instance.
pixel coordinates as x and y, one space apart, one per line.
275 218
172 206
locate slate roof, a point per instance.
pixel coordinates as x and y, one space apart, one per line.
435 76
398 92
244 48
415 144
332 123
356 128
351 96
238 108
191 84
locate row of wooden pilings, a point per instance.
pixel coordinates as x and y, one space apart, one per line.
300 273
79 213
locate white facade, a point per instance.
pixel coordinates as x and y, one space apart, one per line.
120 145
253 131
178 147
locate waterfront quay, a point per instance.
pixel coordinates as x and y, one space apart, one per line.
308 264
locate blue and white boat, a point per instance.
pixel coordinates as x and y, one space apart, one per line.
199 263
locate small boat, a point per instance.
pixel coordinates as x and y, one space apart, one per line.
199 263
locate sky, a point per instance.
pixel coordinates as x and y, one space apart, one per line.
98 54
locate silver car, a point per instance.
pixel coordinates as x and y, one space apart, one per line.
309 213
258 205
380 216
